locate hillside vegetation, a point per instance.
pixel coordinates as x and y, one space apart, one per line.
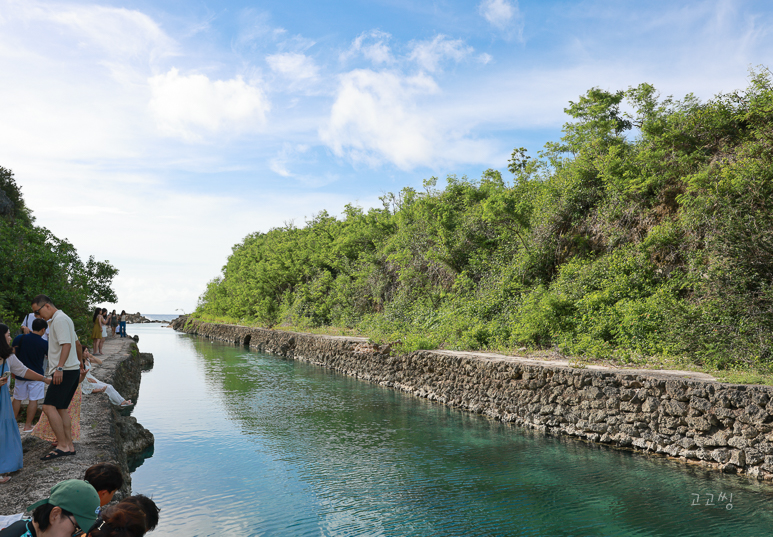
34 261
645 232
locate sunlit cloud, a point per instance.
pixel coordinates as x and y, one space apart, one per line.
191 106
372 46
430 54
503 15
294 66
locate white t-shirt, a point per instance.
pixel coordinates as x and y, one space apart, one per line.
28 323
16 367
62 332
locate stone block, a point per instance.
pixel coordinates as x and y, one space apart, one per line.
677 390
674 408
629 406
700 424
738 442
702 405
650 405
753 457
722 456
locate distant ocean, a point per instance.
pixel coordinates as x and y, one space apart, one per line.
161 316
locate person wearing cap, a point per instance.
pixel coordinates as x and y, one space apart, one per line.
70 509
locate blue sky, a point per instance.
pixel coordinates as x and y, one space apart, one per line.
157 134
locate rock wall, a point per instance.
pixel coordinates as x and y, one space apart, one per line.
728 427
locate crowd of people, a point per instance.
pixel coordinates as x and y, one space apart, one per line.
80 508
49 364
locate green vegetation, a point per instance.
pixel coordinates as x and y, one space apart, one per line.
645 235
34 261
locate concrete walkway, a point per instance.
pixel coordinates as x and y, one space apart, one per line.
661 373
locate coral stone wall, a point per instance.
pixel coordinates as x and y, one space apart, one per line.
729 427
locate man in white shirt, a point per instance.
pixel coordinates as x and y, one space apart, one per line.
64 367
26 325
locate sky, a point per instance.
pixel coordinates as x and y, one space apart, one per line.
158 134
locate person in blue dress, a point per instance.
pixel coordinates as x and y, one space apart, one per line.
11 457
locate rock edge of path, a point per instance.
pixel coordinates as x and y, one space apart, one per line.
108 434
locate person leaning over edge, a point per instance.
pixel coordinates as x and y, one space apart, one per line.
31 350
71 506
106 478
148 507
64 367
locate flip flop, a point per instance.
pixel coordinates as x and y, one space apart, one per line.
55 455
126 403
5 479
70 453
27 430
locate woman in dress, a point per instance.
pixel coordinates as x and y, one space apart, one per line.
113 322
11 457
96 331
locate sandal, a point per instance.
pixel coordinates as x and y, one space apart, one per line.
5 479
55 455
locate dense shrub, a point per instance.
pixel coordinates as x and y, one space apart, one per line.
641 233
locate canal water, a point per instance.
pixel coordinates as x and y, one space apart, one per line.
251 444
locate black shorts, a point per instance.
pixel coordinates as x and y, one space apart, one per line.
60 395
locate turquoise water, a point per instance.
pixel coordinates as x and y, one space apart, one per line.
250 444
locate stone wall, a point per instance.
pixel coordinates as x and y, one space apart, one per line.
728 427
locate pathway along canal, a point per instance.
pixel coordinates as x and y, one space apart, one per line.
251 444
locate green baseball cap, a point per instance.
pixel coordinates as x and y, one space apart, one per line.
75 496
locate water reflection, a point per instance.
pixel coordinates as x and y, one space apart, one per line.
248 444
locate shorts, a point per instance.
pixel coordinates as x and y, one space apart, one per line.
60 395
34 390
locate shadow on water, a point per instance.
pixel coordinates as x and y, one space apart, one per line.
135 461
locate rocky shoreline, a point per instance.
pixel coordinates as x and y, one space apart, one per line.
138 318
685 416
108 434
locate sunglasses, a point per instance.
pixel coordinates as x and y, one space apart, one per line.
77 530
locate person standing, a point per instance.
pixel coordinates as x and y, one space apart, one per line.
11 458
113 322
31 350
123 323
64 367
96 331
26 324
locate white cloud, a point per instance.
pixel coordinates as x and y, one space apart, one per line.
429 54
279 164
297 67
119 32
373 46
377 118
191 106
485 58
503 15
